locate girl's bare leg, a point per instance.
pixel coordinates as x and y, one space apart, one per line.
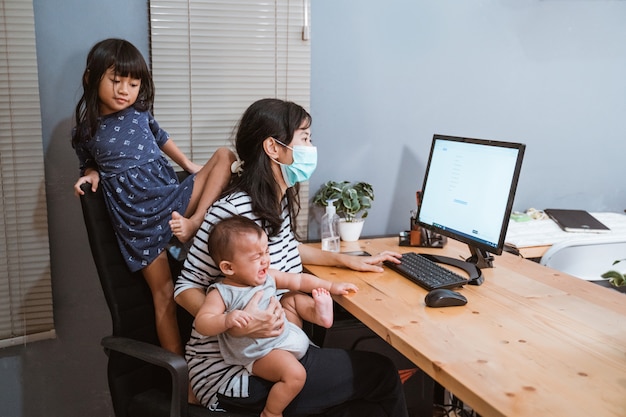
159 278
317 308
208 186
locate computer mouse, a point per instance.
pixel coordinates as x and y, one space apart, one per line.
442 297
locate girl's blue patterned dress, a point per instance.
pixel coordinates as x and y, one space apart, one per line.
140 186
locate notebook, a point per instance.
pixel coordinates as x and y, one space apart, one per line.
576 221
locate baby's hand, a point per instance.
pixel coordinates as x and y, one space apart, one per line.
237 318
343 288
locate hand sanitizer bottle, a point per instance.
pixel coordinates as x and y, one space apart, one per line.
330 228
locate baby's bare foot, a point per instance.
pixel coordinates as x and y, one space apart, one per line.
183 228
323 307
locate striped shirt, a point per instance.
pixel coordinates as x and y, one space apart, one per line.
208 372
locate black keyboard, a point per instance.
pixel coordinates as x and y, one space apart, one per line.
425 272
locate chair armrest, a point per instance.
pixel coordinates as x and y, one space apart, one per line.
156 355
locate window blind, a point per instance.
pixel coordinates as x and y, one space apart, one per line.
25 287
212 59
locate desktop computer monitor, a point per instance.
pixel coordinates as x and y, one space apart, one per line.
468 192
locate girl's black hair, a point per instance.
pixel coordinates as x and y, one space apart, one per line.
267 118
126 60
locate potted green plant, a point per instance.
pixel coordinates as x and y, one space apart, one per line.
352 201
616 278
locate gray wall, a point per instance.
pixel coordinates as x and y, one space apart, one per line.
385 77
388 75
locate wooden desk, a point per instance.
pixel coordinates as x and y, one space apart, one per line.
534 252
530 342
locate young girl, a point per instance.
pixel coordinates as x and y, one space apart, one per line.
119 146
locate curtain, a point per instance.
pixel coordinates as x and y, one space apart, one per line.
212 59
25 288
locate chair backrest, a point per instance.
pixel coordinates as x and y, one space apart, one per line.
130 304
587 258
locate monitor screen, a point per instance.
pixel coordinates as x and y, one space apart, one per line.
468 192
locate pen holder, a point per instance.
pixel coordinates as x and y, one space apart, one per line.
420 237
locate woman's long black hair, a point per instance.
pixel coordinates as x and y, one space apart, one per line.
126 60
267 118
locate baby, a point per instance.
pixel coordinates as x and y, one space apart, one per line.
240 249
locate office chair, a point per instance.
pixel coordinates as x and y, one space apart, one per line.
587 258
144 379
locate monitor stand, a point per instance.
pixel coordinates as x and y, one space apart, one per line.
480 257
474 272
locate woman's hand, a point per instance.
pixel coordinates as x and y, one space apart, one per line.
263 323
92 177
370 263
316 256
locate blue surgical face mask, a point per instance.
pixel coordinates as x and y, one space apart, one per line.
303 165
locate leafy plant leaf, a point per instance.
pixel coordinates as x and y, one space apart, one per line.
350 199
615 278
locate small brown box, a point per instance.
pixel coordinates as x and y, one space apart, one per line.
415 237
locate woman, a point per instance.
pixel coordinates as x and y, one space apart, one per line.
273 143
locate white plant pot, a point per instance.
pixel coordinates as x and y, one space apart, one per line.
350 231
